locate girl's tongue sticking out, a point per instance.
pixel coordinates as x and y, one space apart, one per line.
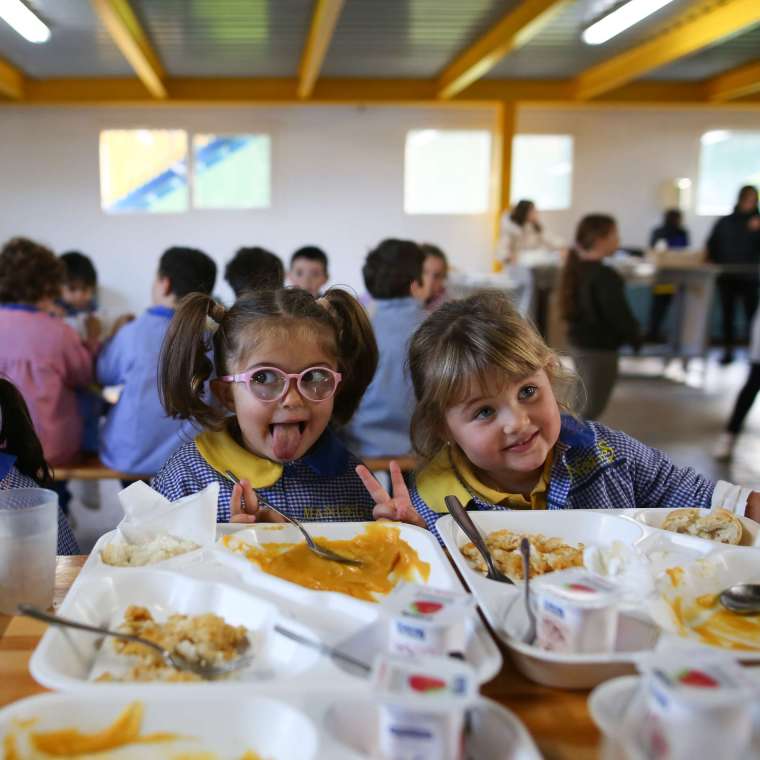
286 439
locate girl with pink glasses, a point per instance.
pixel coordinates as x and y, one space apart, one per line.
285 368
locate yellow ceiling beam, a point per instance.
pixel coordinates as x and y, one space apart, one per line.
11 81
513 31
688 35
129 36
737 83
323 23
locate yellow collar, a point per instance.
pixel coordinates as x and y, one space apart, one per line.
223 453
439 479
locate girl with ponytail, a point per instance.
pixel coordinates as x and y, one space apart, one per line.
283 368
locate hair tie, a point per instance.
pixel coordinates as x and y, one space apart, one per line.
216 314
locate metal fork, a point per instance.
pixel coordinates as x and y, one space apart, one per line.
320 551
172 659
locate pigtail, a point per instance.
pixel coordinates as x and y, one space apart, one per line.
357 351
17 435
184 366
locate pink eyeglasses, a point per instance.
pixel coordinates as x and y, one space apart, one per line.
270 384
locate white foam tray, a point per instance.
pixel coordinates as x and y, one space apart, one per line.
502 604
654 518
283 725
65 659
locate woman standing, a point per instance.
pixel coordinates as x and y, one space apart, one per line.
596 310
522 231
734 245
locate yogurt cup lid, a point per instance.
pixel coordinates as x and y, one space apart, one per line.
428 684
578 585
429 605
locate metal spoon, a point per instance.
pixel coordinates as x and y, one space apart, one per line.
464 521
743 598
320 551
172 659
325 649
530 635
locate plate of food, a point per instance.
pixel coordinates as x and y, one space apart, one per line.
199 620
146 726
390 553
718 525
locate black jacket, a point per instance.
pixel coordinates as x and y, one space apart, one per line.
602 319
733 242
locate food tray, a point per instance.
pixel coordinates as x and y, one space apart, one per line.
350 624
502 604
282 725
654 518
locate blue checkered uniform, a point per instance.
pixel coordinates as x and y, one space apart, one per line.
317 488
67 543
598 468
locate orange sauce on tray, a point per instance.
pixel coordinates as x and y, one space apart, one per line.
386 559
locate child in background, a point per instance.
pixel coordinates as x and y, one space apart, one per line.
138 437
435 270
393 277
285 366
22 463
40 354
254 269
598 316
308 269
489 423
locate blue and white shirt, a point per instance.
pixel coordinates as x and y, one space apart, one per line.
595 467
321 486
138 436
10 477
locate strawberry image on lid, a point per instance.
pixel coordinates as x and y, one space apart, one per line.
426 607
698 678
581 587
426 684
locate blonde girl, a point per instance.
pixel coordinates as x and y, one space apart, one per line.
492 424
285 366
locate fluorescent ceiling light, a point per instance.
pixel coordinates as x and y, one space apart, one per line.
24 21
620 19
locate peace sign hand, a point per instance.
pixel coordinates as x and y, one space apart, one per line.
399 507
244 506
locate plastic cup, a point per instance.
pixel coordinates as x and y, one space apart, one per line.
28 539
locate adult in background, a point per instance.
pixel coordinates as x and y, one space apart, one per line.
593 302
670 235
734 245
521 231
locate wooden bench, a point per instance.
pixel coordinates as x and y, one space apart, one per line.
91 468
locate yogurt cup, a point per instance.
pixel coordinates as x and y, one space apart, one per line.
422 707
428 621
576 612
697 704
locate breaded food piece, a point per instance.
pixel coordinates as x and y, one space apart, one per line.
546 554
719 525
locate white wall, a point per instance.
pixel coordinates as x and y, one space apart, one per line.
337 182
622 156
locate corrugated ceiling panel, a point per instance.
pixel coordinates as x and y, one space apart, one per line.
235 38
79 46
558 52
714 60
407 38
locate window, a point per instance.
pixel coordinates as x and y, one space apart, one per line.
447 171
727 160
143 170
231 171
542 170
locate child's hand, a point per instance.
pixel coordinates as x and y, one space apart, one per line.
753 506
399 507
244 506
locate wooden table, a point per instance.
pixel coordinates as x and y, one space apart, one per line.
558 720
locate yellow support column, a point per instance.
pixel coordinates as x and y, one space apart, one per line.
11 81
507 122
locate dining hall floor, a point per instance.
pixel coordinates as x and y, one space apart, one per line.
680 413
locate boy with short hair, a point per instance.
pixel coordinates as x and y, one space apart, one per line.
308 269
138 437
393 276
254 268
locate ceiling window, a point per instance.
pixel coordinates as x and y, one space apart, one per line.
727 160
447 171
542 170
143 170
